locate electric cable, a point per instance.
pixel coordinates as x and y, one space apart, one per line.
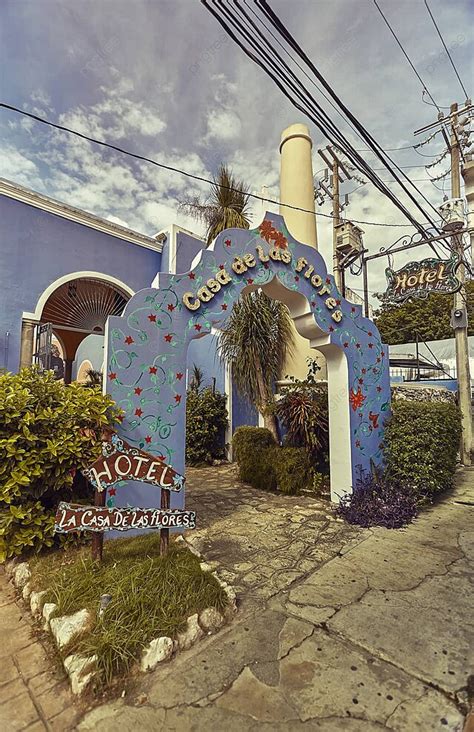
446 49
173 169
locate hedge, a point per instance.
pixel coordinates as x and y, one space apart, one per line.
206 422
248 444
422 441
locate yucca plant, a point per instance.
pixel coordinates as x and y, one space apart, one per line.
256 341
226 207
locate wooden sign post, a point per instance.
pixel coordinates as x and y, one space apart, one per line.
120 461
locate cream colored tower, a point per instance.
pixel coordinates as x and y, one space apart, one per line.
296 183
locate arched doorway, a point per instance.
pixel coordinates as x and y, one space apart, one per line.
77 306
146 349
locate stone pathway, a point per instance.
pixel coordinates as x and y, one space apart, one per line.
338 629
34 694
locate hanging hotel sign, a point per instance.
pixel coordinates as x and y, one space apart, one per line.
419 279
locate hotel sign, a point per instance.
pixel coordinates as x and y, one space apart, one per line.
419 279
75 517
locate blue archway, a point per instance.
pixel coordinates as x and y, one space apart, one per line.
147 346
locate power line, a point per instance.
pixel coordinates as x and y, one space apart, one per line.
173 169
446 49
405 54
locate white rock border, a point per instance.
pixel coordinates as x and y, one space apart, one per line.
81 670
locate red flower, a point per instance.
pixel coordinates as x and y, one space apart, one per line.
382 354
338 302
371 345
112 492
328 280
160 457
250 281
228 242
364 371
197 327
357 345
357 443
279 240
297 279
331 329
177 398
356 398
378 360
179 375
129 340
267 230
171 308
119 418
266 265
138 412
152 318
374 370
374 418
379 388
369 334
313 304
152 370
224 306
346 345
192 276
222 266
138 390
112 375
361 381
353 310
148 439
168 337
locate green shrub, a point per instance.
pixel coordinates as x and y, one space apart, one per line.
47 431
422 441
292 469
206 422
248 444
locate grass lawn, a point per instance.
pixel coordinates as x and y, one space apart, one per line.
151 595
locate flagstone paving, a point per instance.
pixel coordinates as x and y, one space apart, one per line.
337 629
34 694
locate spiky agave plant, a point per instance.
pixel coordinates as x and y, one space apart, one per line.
226 207
256 341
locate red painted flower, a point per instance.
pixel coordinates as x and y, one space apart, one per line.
227 242
353 310
138 390
357 443
198 327
266 265
357 345
382 354
378 360
297 279
112 375
138 412
148 439
374 418
119 418
364 371
177 398
371 345
171 307
369 334
152 318
160 457
222 266
361 381
267 230
331 329
179 375
356 398
313 304
379 389
224 306
112 492
192 276
250 281
375 371
280 241
328 280
129 340
346 345
168 337
338 302
152 370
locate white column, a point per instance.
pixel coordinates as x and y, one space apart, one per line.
296 183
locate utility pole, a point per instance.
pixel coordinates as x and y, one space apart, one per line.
460 334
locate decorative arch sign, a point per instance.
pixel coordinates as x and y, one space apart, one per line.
147 348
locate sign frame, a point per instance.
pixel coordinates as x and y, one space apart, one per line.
445 281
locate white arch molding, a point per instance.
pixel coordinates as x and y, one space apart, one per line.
43 298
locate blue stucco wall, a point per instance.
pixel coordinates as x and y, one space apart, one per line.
36 248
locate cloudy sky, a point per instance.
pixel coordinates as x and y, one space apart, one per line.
161 78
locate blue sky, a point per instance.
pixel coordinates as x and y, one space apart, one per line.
161 78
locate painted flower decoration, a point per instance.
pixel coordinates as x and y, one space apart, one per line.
266 230
280 241
356 399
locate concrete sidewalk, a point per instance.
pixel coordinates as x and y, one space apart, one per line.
375 638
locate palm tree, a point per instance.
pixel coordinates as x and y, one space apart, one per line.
256 341
226 207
